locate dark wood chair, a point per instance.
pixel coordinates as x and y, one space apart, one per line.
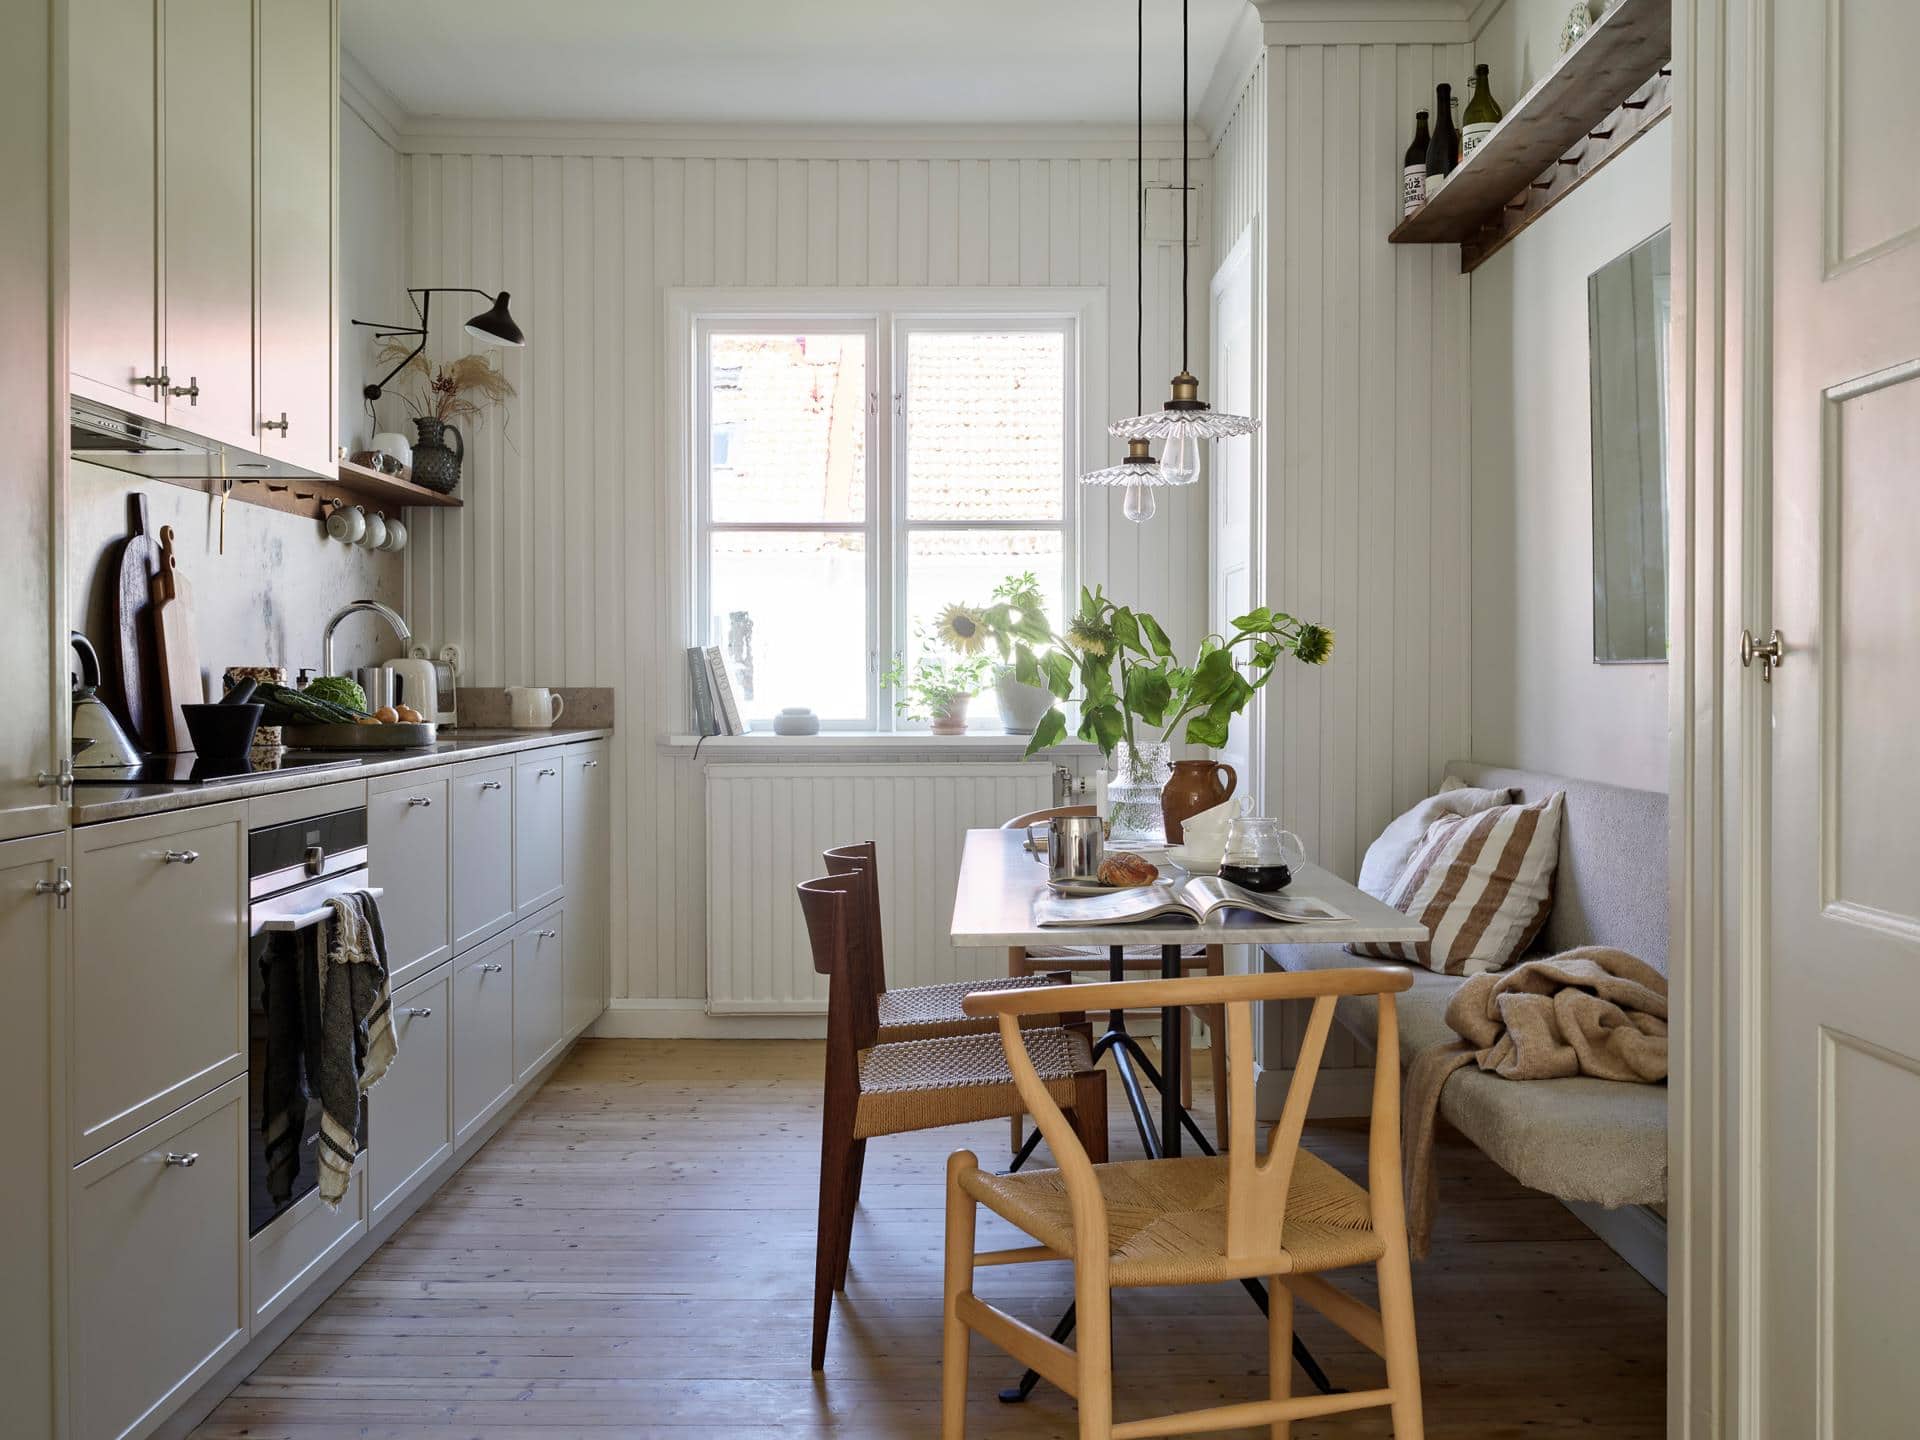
874 1088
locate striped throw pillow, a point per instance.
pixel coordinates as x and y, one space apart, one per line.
1482 885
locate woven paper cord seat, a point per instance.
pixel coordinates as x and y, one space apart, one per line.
954 1079
921 1012
1167 1219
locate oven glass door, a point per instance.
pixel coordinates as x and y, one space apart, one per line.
283 1130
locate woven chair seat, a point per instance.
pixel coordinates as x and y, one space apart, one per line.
922 1084
1167 1219
924 1012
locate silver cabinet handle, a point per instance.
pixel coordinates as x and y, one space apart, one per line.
184 1160
423 802
152 382
181 857
417 1012
548 934
59 887
489 784
589 764
490 967
191 390
546 770
280 424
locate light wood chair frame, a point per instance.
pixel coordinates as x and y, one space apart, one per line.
1256 1213
1213 962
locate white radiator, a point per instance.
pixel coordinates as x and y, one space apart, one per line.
766 827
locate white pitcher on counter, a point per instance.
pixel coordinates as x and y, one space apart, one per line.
533 707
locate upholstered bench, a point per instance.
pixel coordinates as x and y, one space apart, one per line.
1600 1142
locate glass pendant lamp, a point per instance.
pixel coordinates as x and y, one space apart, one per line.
1139 472
1186 420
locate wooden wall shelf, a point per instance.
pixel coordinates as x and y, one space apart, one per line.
313 497
375 488
1605 93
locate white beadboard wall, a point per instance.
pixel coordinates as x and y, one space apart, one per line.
556 572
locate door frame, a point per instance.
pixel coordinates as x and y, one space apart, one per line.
1240 258
1720 505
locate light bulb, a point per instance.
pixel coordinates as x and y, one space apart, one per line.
1138 504
1180 459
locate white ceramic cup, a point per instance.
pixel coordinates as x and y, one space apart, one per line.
392 442
533 707
375 537
396 535
347 523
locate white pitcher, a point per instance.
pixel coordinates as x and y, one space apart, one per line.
533 707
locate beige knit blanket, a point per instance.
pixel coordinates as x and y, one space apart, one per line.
1591 1011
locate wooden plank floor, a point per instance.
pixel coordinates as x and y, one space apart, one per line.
632 1256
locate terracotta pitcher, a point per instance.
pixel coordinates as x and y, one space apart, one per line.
1196 785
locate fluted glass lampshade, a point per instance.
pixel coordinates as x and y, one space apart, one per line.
496 325
1182 424
1140 474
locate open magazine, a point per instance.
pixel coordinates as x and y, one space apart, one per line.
1198 897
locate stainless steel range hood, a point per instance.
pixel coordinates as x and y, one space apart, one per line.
102 435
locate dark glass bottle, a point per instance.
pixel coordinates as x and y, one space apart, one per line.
1413 170
1443 151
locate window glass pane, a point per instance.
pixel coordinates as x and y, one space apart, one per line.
945 567
788 609
787 427
986 425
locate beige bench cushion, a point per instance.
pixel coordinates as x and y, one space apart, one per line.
1600 1141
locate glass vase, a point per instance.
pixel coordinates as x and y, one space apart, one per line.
1133 794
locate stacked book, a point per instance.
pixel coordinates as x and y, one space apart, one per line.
715 710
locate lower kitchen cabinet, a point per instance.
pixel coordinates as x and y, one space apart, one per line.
483 1072
409 1117
539 791
482 849
157 1287
291 1252
539 968
588 812
408 857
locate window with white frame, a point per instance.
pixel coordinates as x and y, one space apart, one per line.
855 474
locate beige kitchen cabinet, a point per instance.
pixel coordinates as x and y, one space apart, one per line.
299 106
156 1281
587 816
483 796
409 856
207 202
539 803
483 1072
293 1251
539 964
157 1011
33 932
114 340
409 1117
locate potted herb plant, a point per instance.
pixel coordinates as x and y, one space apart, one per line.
936 689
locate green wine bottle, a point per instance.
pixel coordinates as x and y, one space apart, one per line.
1482 114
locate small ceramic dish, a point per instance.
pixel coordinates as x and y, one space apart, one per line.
1192 864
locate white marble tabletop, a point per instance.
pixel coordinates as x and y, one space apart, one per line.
1000 879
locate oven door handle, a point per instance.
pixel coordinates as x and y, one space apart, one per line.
307 919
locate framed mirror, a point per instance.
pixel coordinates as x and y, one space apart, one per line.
1629 309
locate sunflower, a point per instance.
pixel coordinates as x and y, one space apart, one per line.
1091 634
1314 643
961 629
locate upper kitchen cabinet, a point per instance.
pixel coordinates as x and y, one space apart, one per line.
207 204
299 86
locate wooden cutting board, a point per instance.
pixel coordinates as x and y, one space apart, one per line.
135 658
173 642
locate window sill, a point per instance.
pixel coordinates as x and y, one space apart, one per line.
853 744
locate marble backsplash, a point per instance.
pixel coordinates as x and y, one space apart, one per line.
485 706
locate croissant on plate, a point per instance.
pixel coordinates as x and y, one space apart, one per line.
1123 867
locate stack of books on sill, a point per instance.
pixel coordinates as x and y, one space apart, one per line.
715 710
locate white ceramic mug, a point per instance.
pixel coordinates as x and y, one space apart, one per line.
533 707
392 442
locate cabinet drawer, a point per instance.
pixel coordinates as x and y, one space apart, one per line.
159 1008
482 850
539 948
409 1128
539 803
483 1070
284 1258
408 856
156 1289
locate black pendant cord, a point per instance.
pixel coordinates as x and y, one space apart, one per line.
1186 190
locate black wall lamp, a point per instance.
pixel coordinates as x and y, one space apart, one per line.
492 324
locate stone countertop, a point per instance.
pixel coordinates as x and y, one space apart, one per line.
93 804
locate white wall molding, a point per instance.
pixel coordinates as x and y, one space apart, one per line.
1365 22
371 101
628 1019
1226 87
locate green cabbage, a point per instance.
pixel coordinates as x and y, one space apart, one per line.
340 690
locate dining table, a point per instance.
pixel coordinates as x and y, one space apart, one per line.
1003 875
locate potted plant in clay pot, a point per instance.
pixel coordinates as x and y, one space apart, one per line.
936 689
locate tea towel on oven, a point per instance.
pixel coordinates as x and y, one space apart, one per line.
350 1039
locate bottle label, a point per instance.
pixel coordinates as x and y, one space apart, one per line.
1473 134
1433 183
1413 189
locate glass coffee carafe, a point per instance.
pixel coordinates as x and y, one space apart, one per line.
1260 855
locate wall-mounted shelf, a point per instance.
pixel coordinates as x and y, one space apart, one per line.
375 488
1605 93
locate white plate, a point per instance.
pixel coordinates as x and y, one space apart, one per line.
1076 889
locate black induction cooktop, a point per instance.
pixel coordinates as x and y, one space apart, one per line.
191 769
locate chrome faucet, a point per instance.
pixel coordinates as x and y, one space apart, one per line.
386 613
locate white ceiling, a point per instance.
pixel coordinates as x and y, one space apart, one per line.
798 61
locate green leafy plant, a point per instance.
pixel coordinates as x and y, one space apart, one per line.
1121 666
929 688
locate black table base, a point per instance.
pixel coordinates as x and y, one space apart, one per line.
1163 1144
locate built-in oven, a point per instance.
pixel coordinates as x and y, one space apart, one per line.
293 869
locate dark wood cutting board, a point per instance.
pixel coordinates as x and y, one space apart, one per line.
136 661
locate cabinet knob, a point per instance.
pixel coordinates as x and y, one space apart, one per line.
417 1012
491 967
191 390
589 764
489 784
547 770
549 934
183 1159
423 802
181 857
280 424
59 887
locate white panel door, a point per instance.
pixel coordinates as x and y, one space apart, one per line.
1841 1152
1235 555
